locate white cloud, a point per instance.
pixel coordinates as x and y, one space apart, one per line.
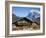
34 11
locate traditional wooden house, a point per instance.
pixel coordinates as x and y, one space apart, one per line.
24 22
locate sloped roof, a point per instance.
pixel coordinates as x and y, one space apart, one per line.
22 18
15 18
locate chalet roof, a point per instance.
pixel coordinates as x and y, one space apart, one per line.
22 18
15 18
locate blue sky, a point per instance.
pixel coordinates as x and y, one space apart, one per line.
23 11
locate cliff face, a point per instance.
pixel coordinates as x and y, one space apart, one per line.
14 17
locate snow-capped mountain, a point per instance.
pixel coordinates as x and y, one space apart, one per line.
33 14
